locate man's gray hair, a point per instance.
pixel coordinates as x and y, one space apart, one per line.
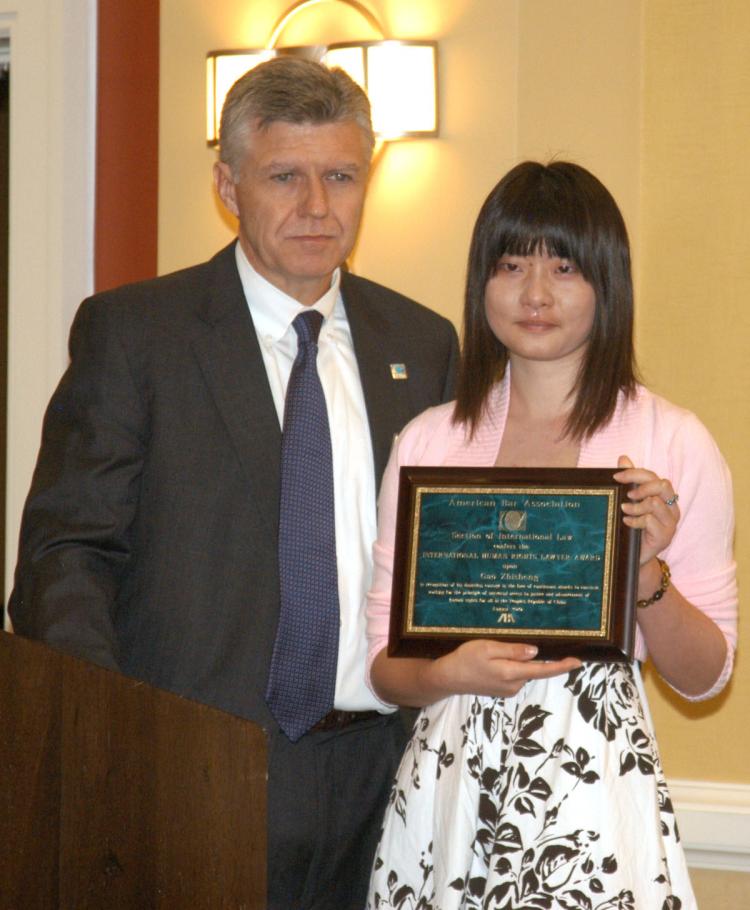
293 90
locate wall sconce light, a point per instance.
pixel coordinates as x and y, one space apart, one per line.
400 77
223 69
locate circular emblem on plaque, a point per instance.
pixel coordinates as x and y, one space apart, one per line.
512 520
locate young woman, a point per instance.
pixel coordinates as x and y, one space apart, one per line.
532 784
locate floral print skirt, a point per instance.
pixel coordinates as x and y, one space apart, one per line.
554 798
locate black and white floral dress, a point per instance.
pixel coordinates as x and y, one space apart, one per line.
554 798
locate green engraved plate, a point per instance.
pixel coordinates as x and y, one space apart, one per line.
537 555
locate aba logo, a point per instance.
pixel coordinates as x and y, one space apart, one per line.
512 520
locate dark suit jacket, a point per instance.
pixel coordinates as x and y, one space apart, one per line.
148 542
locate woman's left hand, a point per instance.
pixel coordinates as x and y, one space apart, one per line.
649 508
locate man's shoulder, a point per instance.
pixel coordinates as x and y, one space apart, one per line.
356 289
181 285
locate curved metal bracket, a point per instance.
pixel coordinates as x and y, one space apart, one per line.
367 14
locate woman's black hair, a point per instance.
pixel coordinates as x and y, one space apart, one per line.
560 209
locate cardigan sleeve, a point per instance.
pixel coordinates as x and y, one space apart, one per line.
672 442
700 555
423 441
379 596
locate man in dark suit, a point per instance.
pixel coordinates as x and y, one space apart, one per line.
149 538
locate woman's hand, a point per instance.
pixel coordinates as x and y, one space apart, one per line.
493 668
653 508
479 667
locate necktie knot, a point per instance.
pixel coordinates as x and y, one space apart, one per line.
307 326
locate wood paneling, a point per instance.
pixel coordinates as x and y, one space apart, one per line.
115 794
127 142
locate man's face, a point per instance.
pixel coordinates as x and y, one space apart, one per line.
299 199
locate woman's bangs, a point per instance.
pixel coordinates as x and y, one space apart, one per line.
541 226
529 239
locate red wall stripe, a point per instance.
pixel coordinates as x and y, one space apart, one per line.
127 142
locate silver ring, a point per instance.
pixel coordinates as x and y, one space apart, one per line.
672 500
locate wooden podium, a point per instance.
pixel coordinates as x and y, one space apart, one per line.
114 794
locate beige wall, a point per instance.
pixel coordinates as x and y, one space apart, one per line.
653 97
579 90
694 325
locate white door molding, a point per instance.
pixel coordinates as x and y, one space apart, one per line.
51 213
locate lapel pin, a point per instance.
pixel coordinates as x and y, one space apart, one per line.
398 371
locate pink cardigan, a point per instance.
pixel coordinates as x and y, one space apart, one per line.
654 434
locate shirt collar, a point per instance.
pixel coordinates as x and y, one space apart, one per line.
272 310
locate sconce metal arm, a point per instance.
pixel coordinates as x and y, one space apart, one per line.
301 5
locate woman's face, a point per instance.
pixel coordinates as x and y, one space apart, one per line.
540 307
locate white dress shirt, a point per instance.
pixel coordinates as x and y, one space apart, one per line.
272 313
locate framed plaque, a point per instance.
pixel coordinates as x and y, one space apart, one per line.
535 555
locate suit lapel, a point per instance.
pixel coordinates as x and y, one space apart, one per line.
386 399
232 364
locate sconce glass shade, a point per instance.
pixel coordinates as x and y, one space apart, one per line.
400 78
223 69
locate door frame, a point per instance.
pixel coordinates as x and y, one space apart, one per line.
51 215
